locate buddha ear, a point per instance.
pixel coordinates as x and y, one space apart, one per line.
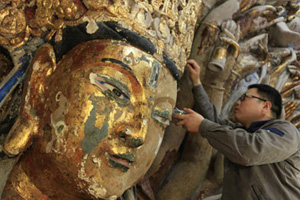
27 125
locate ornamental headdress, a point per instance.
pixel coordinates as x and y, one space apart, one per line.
166 25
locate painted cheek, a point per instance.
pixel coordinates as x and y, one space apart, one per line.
118 113
96 127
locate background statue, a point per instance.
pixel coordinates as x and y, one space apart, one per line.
238 43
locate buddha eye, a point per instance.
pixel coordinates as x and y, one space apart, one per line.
111 88
117 92
112 91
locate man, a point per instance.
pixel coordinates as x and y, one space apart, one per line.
263 153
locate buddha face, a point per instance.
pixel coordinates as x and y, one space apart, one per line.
102 115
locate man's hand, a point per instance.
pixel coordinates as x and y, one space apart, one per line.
190 121
194 71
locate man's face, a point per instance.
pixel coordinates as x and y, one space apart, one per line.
109 104
250 109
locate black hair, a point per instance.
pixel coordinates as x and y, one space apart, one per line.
72 35
270 94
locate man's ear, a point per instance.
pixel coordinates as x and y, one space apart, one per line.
26 127
268 106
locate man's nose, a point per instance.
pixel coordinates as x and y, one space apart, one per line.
238 102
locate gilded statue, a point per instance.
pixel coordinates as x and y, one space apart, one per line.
101 79
99 92
90 134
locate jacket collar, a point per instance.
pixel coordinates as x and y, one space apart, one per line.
256 125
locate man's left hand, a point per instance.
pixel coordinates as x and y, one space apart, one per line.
190 121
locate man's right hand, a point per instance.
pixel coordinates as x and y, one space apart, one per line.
194 71
190 121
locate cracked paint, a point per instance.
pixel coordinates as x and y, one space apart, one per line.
93 135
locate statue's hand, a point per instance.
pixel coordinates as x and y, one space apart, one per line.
194 71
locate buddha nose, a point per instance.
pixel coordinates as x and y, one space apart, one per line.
128 135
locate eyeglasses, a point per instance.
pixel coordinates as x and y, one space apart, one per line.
242 98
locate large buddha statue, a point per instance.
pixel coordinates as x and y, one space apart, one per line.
98 118
98 95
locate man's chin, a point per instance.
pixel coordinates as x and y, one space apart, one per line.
240 122
236 119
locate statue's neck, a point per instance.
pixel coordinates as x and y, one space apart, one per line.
19 186
33 177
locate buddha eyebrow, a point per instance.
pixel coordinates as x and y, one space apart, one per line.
112 60
117 62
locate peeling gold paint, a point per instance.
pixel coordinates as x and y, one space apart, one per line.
61 121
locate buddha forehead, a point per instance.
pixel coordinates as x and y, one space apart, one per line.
88 55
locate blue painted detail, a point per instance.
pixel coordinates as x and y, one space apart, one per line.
15 78
101 82
275 130
114 90
154 75
93 134
117 62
